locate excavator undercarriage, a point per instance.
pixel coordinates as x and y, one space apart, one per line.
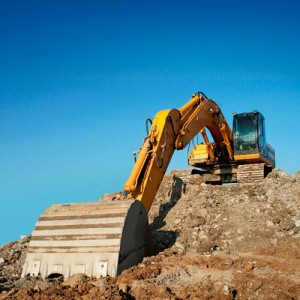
234 172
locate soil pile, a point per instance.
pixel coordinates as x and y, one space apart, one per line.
235 241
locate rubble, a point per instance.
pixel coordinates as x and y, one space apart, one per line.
231 241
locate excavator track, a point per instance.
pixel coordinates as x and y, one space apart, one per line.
95 238
251 172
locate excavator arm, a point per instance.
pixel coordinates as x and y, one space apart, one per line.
173 130
154 158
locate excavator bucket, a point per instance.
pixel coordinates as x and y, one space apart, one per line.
95 238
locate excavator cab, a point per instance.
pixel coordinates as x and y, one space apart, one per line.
245 133
249 139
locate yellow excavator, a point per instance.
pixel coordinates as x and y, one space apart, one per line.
105 237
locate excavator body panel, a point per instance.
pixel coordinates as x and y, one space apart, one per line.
198 155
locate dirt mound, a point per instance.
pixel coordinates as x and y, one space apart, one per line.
235 241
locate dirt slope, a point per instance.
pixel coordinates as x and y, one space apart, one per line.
237 241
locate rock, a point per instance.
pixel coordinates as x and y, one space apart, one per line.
226 289
74 280
248 267
276 220
287 225
179 245
297 222
123 287
177 221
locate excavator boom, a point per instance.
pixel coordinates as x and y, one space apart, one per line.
173 130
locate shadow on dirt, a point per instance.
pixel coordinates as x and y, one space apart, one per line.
164 239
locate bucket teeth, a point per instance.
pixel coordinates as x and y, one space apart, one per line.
94 238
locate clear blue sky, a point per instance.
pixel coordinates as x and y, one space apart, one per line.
79 78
